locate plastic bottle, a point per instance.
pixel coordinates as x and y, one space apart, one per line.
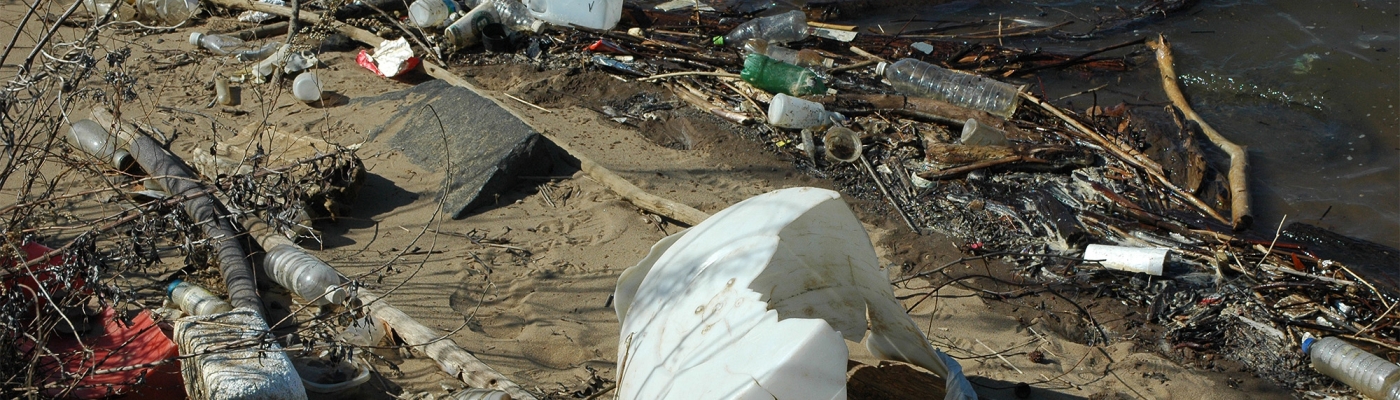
596 14
1373 376
803 58
228 45
780 77
98 8
307 87
195 300
794 113
367 331
918 78
92 138
305 275
166 12
783 28
466 31
431 13
514 15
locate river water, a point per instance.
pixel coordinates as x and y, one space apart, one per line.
1309 87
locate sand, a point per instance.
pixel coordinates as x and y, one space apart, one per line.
529 295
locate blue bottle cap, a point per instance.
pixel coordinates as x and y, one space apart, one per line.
1307 344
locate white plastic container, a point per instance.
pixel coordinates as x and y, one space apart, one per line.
976 133
430 13
92 138
1373 376
596 14
195 300
918 78
794 113
1131 259
307 87
305 275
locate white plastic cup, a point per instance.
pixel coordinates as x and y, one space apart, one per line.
430 13
794 113
976 133
1131 259
307 87
842 144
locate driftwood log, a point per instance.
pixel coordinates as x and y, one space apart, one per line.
1240 215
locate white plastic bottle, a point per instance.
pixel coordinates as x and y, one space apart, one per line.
1373 376
195 300
466 31
305 275
596 14
431 13
92 138
783 28
918 78
794 113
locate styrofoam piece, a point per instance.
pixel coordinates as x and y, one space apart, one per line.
754 302
1131 259
976 133
233 361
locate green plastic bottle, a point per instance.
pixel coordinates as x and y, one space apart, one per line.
779 77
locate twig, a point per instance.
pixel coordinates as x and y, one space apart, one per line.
881 184
688 73
1241 217
546 111
998 354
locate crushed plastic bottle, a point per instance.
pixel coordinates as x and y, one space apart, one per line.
514 15
195 300
803 58
783 28
305 275
166 12
918 78
779 77
228 45
1373 376
367 331
258 17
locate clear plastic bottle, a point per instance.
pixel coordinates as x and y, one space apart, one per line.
1373 376
305 275
514 15
166 12
803 58
918 78
92 138
431 13
195 300
779 77
228 45
783 28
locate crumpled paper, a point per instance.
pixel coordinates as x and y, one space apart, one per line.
391 58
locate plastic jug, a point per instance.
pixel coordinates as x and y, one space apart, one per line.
596 14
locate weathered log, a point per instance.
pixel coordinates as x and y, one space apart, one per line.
1241 216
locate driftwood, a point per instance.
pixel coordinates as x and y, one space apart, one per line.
211 216
975 158
1241 217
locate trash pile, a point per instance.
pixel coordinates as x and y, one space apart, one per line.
945 135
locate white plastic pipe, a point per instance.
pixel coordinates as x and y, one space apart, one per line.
1131 259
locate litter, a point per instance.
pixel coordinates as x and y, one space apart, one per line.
390 59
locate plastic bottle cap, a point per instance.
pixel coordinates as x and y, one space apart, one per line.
194 38
717 40
880 68
1307 344
336 295
171 287
535 26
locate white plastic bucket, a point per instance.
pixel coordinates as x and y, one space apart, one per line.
1131 259
596 14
